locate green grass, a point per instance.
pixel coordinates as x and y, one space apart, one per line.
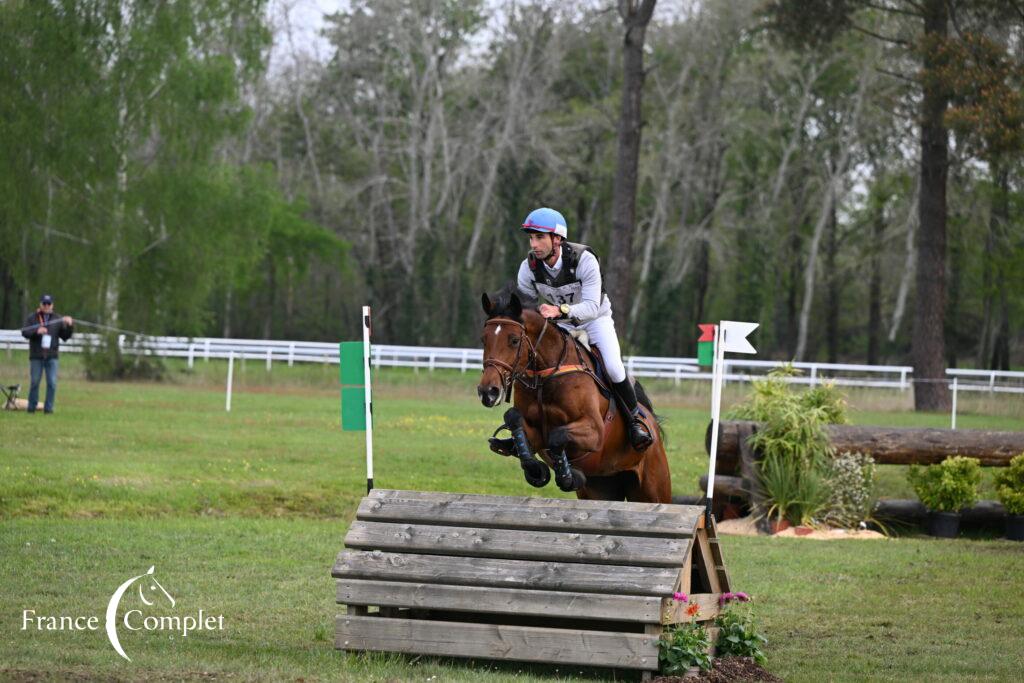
243 513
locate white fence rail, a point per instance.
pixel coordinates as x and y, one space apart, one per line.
430 358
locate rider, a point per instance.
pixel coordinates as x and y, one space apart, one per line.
566 278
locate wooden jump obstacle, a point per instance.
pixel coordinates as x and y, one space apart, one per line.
563 582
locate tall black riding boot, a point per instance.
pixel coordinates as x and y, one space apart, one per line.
639 436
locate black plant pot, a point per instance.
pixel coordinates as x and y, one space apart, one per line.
943 524
1015 527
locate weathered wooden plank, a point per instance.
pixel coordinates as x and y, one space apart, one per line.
477 571
675 612
489 641
521 602
507 512
517 544
705 565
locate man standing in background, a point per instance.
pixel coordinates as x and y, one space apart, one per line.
44 330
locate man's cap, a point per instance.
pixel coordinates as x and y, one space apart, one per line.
46 299
545 220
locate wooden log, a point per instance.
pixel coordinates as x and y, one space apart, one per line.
984 513
494 641
890 445
519 602
516 544
476 571
725 485
540 514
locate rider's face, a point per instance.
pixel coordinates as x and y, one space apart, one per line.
541 244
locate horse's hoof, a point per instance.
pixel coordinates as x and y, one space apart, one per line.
502 446
579 480
536 472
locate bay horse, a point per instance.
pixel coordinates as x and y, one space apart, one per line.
560 412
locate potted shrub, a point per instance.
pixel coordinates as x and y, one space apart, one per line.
1010 489
946 489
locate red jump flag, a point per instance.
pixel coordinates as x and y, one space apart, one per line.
706 345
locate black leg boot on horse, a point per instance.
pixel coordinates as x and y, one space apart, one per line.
639 435
568 478
536 471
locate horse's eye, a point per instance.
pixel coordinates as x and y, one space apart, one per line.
513 341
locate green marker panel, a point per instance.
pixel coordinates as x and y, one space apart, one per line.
351 354
353 409
706 353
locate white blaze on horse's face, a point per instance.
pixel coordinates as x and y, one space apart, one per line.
497 331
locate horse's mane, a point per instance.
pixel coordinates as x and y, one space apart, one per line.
507 302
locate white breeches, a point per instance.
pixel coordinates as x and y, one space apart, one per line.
602 335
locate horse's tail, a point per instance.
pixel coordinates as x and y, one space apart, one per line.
643 398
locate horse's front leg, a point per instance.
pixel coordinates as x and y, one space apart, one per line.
581 437
523 436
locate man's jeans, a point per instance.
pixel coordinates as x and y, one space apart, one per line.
37 367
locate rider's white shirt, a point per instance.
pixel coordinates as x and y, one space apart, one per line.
585 300
593 312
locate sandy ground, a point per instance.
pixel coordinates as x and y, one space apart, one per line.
746 527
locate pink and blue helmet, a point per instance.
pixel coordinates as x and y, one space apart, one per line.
545 220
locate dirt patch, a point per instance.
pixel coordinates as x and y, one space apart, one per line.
726 670
745 526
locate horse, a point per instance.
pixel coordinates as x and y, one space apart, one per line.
561 413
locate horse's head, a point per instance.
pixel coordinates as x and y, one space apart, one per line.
148 585
504 341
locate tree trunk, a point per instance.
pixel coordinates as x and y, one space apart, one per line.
832 288
636 14
998 229
875 287
928 343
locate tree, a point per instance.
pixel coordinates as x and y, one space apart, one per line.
928 33
636 15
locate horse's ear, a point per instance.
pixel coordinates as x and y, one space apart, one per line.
515 306
485 301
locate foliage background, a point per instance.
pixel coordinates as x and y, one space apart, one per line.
200 169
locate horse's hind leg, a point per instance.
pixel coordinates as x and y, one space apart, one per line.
655 486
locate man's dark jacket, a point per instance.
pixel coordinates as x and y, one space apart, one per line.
54 324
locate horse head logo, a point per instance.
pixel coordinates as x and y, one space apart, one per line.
150 590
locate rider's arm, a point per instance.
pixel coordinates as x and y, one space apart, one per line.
527 289
589 273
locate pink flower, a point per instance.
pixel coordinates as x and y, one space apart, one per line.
726 597
680 597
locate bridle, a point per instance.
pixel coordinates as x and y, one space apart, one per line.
510 374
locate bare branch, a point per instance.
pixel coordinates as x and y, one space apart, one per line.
894 74
896 10
887 39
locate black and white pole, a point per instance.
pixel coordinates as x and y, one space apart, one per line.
729 336
369 399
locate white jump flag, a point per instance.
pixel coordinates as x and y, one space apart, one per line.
729 336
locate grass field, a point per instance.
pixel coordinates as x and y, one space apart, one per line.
243 513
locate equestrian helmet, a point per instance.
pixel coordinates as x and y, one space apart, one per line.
547 221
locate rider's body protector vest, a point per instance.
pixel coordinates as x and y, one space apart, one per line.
565 287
